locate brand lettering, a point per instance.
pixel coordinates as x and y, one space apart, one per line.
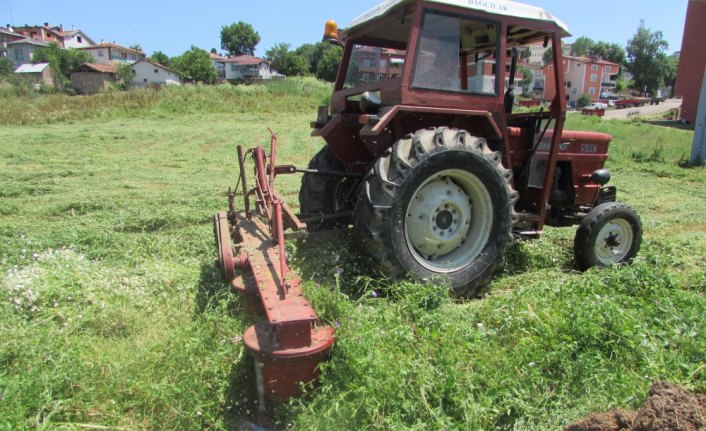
485 4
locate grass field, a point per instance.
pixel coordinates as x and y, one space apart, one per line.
113 316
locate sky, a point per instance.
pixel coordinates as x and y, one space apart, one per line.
174 26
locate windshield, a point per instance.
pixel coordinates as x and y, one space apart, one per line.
370 64
457 54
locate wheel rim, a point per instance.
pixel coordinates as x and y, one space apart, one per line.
614 241
449 218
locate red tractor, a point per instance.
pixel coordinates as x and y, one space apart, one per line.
425 158
432 168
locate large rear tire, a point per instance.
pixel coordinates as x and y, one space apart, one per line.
438 208
325 195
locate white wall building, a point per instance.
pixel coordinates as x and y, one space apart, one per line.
147 72
245 67
74 39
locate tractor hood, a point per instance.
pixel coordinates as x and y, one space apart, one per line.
499 7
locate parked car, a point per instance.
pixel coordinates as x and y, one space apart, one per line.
596 105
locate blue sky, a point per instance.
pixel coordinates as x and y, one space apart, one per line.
173 26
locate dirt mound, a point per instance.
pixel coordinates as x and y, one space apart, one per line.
668 407
617 420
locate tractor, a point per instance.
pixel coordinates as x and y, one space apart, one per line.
426 160
434 171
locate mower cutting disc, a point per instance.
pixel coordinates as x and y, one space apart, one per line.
226 263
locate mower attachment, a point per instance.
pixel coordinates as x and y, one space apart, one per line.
291 343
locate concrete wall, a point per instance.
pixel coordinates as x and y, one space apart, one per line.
90 82
692 59
148 74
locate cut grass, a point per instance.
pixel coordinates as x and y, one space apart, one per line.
113 316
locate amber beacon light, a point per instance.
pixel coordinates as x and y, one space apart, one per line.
331 32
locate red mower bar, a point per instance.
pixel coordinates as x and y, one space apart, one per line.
290 344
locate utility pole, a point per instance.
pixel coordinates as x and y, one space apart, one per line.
698 149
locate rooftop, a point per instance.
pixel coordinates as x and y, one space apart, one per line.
99 67
501 7
112 45
32 68
244 60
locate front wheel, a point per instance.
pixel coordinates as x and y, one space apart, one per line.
611 233
438 208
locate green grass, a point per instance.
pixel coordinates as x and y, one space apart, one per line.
113 316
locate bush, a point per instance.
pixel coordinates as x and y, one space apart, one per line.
584 100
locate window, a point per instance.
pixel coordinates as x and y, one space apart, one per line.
366 76
233 67
19 54
79 39
594 77
574 91
578 64
445 43
156 71
100 53
606 69
383 63
591 91
594 67
367 62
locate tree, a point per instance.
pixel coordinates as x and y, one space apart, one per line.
161 58
136 47
527 79
125 73
608 51
583 100
647 58
61 61
239 38
7 67
671 70
313 53
548 56
327 67
582 46
196 64
285 61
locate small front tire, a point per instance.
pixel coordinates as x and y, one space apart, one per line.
611 233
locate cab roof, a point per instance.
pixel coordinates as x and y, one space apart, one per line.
499 7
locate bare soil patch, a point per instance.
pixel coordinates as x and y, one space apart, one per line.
668 407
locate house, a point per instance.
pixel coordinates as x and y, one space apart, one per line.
582 75
65 39
7 35
105 53
219 64
692 60
21 51
147 72
248 68
39 73
375 64
91 78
